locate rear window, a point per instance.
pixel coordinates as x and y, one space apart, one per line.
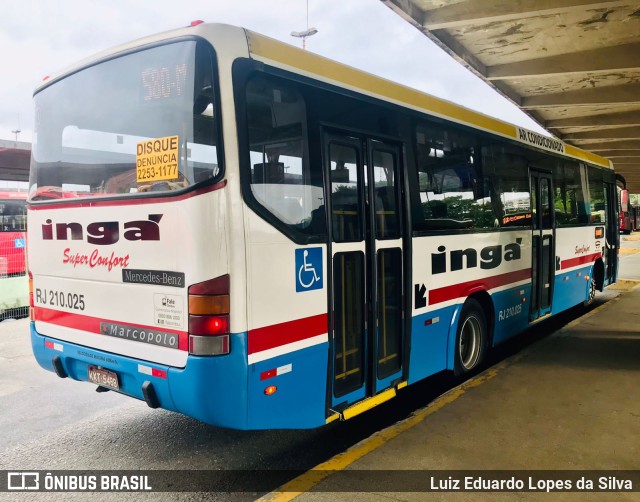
143 122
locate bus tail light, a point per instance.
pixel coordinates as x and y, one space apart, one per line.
209 326
203 305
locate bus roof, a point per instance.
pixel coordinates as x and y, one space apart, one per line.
286 56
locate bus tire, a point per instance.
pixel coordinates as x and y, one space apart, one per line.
591 295
471 338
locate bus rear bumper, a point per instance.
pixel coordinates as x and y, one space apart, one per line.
74 361
195 390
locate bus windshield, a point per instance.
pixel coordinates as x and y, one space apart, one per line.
145 121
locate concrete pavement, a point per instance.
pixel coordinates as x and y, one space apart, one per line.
570 402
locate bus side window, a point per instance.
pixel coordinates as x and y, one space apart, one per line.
454 194
285 184
506 166
596 195
569 197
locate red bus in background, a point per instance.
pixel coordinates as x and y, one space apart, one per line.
635 216
628 218
14 289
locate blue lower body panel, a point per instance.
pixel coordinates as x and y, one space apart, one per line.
511 312
571 289
299 401
222 390
430 342
76 359
211 389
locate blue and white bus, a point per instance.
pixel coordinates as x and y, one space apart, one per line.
226 226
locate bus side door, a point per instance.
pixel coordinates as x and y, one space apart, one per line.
543 244
366 258
612 233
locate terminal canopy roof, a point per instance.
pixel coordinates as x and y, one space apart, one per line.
572 65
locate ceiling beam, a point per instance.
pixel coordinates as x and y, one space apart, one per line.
407 10
457 51
618 133
606 119
474 12
605 59
605 95
610 154
629 144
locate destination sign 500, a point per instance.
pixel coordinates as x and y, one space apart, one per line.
164 82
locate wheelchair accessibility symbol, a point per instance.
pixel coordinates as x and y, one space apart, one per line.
308 269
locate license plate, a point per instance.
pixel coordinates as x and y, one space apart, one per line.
104 378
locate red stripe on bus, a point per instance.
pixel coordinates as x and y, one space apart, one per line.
579 260
37 206
92 324
464 289
277 335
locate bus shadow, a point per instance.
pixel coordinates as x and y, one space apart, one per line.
592 349
538 332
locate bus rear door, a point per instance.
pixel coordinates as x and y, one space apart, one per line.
543 245
612 234
366 266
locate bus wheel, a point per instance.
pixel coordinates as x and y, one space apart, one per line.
592 292
471 338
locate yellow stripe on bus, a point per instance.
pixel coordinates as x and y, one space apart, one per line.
586 156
